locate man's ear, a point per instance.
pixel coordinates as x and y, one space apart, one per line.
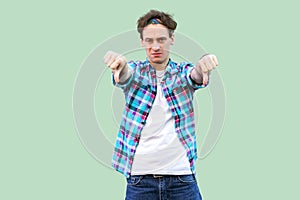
172 39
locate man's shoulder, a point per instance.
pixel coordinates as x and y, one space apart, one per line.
137 63
181 66
181 63
185 64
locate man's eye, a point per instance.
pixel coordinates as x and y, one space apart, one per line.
161 40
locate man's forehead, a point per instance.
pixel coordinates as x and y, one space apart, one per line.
156 26
155 29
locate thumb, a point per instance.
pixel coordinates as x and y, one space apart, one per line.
205 78
117 75
115 65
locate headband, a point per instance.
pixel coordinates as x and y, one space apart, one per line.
154 21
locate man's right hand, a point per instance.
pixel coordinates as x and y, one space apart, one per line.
117 63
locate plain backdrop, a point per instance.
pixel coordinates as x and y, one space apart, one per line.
44 43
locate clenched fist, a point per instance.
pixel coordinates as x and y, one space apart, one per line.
202 69
117 63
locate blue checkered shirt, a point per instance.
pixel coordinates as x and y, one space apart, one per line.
140 91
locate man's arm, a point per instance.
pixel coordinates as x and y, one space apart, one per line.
200 73
124 75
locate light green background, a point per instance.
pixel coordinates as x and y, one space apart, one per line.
43 45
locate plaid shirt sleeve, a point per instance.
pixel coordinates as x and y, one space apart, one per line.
132 67
188 67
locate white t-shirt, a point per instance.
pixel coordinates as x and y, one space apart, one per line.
159 150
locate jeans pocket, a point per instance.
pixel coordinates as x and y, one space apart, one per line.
134 180
187 178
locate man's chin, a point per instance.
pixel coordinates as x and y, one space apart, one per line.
157 61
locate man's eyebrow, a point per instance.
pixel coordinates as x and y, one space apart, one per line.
162 37
159 38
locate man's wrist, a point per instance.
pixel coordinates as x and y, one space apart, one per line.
125 74
196 77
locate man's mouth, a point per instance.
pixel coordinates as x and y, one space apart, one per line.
156 54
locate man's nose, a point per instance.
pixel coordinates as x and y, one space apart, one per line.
155 46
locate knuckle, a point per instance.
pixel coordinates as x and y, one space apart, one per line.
120 56
203 66
200 65
108 53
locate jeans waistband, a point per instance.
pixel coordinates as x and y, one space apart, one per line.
163 175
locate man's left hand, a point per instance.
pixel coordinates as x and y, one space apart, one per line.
201 71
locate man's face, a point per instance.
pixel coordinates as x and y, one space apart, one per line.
157 43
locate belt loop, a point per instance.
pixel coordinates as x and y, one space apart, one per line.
157 176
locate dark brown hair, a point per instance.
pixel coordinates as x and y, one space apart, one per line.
164 18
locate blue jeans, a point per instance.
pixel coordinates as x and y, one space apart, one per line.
165 187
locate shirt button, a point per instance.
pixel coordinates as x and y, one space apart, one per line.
136 138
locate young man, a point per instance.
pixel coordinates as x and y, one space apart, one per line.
156 143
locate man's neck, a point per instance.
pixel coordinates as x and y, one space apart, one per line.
160 66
